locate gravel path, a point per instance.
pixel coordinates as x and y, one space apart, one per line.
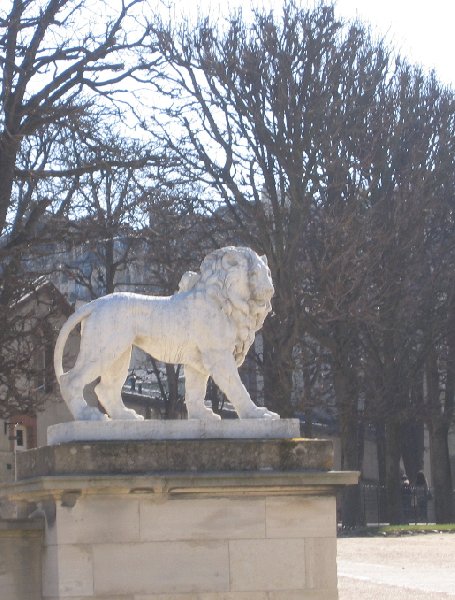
417 567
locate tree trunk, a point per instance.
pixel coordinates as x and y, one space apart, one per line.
395 511
277 373
346 390
381 453
380 445
440 418
110 266
441 474
307 403
412 447
8 152
351 509
172 404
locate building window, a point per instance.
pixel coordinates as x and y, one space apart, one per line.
20 438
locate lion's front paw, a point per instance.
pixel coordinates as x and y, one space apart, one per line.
268 414
203 414
91 413
210 416
259 412
126 414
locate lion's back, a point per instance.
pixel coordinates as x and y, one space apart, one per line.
123 312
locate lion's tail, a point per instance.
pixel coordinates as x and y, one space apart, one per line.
70 324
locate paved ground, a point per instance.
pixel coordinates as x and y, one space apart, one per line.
418 567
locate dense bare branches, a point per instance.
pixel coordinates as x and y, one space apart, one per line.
274 115
327 151
64 69
56 60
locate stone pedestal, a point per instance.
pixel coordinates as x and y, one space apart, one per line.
21 542
229 519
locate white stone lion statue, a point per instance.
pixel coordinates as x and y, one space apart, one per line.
208 326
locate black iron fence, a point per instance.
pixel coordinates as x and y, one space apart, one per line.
416 503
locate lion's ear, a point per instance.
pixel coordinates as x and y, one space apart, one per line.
188 281
264 259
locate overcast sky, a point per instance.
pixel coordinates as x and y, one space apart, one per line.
424 30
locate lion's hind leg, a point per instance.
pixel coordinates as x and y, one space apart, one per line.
72 386
109 389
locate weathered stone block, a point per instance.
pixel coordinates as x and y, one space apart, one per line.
207 596
320 563
267 564
128 457
170 567
20 559
96 519
68 571
128 597
202 518
300 517
280 595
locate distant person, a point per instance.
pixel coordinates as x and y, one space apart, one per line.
406 498
422 495
132 381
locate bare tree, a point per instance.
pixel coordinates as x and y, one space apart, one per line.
255 100
322 149
55 61
438 300
104 215
59 69
403 138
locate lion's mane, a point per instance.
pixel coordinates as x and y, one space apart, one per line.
226 278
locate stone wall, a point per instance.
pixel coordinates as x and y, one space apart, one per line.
137 547
20 559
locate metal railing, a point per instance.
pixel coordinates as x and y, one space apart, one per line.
417 506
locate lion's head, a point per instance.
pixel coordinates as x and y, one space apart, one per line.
239 281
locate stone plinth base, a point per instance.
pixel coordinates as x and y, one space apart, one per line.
155 429
240 532
181 456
